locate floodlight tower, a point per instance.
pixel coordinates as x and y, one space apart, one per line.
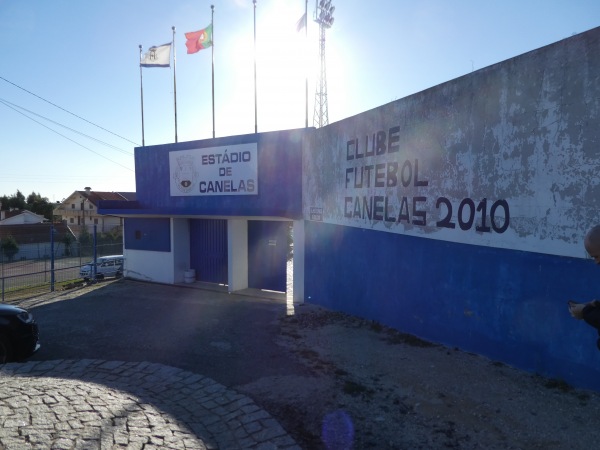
324 17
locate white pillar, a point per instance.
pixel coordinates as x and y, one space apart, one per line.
298 283
237 254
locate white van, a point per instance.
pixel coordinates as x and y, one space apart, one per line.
106 266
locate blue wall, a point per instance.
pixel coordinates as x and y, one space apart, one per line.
279 179
505 304
148 234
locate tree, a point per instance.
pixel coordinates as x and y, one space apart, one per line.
16 201
85 242
67 240
34 203
39 205
9 247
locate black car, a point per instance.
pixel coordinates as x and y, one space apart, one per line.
18 334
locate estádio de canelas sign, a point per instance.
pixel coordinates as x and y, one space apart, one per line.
227 170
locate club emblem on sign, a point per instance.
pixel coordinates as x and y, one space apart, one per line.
185 174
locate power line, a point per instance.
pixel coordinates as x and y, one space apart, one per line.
69 112
49 179
10 104
62 135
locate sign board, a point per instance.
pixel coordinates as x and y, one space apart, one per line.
227 170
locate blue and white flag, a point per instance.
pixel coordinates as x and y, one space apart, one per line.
158 56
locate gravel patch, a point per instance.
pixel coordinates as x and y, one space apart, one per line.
373 387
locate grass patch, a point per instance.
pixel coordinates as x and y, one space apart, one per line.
294 335
355 389
584 397
341 372
561 385
408 339
376 326
309 354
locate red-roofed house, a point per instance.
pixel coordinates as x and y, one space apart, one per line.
80 209
20 216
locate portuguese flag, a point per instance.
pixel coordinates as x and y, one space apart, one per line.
199 40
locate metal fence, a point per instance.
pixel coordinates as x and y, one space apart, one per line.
43 267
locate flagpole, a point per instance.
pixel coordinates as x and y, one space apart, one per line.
142 96
212 16
175 81
255 101
305 62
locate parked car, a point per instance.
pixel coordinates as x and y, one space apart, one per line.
19 335
106 266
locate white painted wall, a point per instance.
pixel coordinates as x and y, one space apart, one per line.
237 254
152 266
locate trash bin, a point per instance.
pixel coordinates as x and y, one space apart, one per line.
189 276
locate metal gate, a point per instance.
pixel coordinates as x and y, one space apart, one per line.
268 247
208 249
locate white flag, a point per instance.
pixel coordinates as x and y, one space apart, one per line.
301 23
159 56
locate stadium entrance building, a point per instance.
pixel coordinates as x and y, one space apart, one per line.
221 211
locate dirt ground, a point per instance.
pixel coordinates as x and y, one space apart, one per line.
376 388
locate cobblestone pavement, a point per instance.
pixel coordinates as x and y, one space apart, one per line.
96 404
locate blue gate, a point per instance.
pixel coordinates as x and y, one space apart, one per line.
208 249
268 247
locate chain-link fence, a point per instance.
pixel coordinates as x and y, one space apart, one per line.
45 258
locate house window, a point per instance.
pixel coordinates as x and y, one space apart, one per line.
96 221
72 220
72 205
90 206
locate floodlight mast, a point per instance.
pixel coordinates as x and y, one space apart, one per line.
324 17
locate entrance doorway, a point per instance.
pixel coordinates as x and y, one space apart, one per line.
208 249
268 250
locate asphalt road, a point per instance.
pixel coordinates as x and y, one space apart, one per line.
229 338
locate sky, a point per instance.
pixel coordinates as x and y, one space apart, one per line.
71 84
